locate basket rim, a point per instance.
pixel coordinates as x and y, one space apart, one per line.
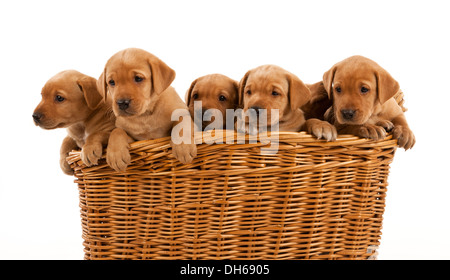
284 138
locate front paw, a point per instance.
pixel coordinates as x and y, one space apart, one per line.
323 129
65 167
118 158
185 153
387 125
91 153
373 132
405 137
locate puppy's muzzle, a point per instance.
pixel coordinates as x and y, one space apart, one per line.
37 117
348 114
123 104
207 114
256 108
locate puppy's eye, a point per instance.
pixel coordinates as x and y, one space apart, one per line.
249 92
338 89
138 79
274 93
195 96
364 90
112 83
222 98
59 98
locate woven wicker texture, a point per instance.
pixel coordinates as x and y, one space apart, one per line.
311 200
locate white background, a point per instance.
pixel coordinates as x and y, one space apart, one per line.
39 214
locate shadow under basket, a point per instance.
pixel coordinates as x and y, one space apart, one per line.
311 199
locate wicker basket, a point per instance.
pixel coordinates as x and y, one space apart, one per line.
312 200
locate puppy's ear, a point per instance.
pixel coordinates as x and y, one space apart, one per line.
236 91
299 93
387 87
102 86
242 85
318 92
328 78
187 97
88 86
162 75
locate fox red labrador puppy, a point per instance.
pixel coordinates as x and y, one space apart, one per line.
272 87
71 100
143 102
215 91
362 101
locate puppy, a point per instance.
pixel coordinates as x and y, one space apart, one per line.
143 101
215 91
71 100
362 93
271 87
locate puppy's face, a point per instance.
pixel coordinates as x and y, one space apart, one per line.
354 94
358 87
215 91
133 78
271 87
67 98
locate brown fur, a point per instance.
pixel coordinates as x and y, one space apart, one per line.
210 89
367 91
319 102
152 101
88 119
257 88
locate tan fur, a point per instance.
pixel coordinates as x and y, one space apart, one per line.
88 118
209 90
257 87
367 90
152 101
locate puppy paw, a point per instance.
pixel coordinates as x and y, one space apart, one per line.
185 153
65 167
118 158
91 153
373 132
387 125
323 130
405 137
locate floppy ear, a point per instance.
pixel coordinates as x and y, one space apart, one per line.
328 78
236 91
242 84
162 75
187 97
318 92
88 86
299 93
101 85
387 87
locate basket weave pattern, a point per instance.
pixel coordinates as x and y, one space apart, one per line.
311 200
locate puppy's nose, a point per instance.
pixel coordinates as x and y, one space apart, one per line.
348 114
123 104
37 116
206 113
256 108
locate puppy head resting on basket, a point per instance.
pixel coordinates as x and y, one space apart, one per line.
143 102
71 100
362 93
272 87
215 91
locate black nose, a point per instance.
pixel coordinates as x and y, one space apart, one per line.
37 117
256 108
348 114
123 104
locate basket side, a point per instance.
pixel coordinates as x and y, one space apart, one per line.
311 200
